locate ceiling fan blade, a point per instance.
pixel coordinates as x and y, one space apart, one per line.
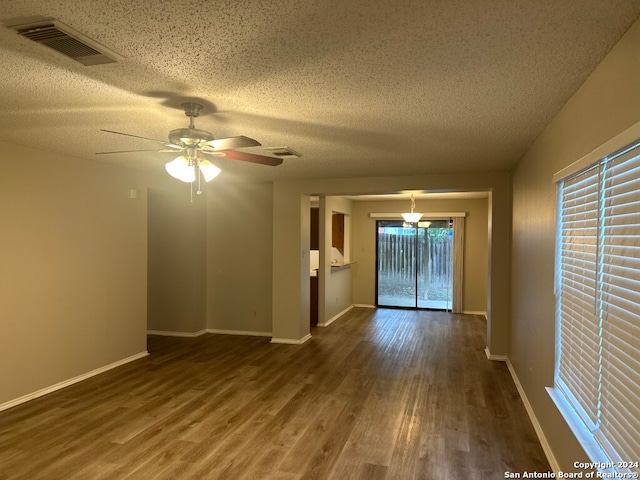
134 136
232 142
253 158
164 150
213 153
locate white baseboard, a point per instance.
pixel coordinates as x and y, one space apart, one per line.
238 332
363 305
176 334
495 358
534 420
474 312
208 330
291 341
69 382
335 317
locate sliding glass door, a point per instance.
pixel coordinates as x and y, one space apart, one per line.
414 264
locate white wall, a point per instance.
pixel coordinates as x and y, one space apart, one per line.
606 104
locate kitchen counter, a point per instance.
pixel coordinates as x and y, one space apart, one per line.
340 266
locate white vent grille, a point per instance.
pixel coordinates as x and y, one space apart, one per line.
282 151
67 41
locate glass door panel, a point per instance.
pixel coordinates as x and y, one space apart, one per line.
396 277
435 265
414 264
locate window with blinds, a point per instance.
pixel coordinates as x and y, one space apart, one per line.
598 306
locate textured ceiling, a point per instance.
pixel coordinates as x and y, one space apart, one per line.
359 87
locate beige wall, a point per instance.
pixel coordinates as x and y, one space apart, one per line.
335 284
291 243
607 104
210 261
239 263
73 268
476 255
177 253
86 271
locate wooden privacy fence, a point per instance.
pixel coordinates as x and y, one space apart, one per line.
401 251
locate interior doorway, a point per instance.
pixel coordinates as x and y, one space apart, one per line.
414 264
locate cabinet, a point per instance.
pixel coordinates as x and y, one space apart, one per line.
313 303
337 231
315 229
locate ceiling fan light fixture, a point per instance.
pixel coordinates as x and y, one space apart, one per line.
194 144
181 169
208 169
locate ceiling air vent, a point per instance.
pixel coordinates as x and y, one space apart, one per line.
69 42
282 152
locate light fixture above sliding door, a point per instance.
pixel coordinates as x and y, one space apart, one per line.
412 217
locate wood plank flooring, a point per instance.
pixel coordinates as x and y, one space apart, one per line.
379 394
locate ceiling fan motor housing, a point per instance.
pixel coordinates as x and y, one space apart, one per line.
189 136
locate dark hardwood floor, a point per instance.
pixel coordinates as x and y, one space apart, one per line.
379 394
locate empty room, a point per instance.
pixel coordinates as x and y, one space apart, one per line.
319 240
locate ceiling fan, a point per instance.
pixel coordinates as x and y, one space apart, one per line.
194 145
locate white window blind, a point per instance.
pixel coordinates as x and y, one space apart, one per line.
598 309
578 369
619 306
